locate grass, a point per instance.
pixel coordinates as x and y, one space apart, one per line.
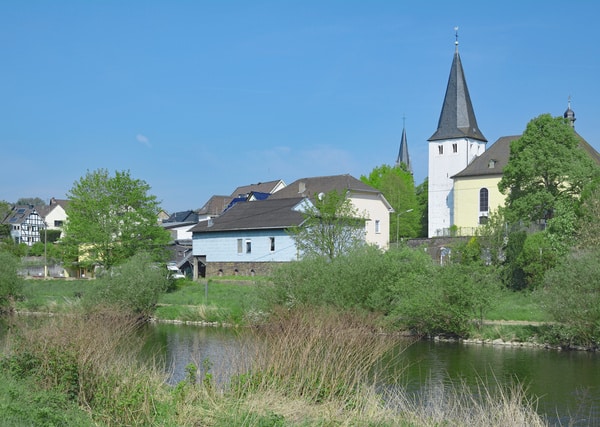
518 306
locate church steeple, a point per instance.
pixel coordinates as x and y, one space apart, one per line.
403 156
457 119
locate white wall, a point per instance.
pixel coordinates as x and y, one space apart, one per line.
223 246
441 169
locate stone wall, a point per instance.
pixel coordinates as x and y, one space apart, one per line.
239 268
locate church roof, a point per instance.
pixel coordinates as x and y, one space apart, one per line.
457 119
492 161
495 158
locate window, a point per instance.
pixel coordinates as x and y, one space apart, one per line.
25 228
58 223
239 246
377 226
483 220
483 200
272 241
455 148
440 149
248 246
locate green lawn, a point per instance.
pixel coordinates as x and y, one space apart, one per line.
521 306
229 300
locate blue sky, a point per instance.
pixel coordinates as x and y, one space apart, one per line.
199 97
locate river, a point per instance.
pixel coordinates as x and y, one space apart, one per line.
566 384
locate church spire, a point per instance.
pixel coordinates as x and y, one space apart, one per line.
457 119
403 156
570 114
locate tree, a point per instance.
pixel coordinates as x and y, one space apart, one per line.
545 165
330 228
5 209
397 186
111 218
588 226
10 283
571 295
33 201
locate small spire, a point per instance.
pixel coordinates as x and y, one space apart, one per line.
570 114
456 35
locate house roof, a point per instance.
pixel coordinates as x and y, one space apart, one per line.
495 158
261 187
262 214
182 217
19 214
215 205
311 187
44 210
457 119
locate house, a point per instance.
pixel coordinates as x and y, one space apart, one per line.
25 224
213 207
248 238
268 187
54 214
368 201
463 174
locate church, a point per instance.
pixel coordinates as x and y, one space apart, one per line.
463 175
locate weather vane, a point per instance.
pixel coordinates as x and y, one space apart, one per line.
456 35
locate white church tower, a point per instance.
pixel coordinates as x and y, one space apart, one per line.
455 143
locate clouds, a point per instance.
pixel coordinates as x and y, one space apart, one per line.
142 139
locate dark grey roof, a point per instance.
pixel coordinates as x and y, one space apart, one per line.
262 214
19 214
495 158
457 119
215 205
261 187
403 156
492 161
44 210
182 217
311 187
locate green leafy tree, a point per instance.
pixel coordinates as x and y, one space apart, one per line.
422 193
493 237
397 186
111 218
588 224
10 283
546 165
331 227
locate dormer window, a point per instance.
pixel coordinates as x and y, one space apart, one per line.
491 164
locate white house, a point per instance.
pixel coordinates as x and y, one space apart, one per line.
368 201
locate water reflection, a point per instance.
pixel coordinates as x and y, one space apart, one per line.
566 383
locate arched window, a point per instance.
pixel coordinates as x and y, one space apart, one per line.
483 200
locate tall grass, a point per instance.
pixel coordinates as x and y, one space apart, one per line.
305 367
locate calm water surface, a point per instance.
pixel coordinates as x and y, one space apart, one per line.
567 384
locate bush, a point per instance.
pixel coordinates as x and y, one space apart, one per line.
11 284
448 303
133 287
366 279
571 296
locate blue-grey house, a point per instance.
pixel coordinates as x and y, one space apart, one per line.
247 238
